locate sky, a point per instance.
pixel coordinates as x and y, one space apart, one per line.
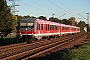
60 8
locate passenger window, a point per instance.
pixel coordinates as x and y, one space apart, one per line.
48 26
41 26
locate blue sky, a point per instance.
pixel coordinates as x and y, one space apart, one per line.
58 7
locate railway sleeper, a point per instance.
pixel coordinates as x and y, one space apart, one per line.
79 36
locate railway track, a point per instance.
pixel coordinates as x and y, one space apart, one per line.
36 49
16 48
56 47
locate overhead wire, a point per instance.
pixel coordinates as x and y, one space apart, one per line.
58 6
73 11
50 9
63 4
40 4
43 6
36 7
82 16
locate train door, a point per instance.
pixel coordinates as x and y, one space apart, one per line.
59 30
38 30
42 29
46 28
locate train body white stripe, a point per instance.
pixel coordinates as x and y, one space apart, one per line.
47 34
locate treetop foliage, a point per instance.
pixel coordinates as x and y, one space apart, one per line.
7 21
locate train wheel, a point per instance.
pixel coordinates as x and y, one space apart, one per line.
39 39
19 40
48 37
27 40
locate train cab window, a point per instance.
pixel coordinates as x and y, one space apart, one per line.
38 26
30 25
27 25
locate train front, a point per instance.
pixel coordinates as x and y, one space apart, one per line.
25 29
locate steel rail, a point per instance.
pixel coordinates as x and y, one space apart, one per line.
31 51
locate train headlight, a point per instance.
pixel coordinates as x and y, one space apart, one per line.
20 33
26 28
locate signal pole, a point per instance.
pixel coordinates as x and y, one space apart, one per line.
62 15
13 10
88 19
88 25
53 15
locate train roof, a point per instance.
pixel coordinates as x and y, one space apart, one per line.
38 20
47 22
28 20
44 22
65 25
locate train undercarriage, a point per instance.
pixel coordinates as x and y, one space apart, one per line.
25 38
30 38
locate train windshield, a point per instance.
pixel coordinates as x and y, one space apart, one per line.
27 25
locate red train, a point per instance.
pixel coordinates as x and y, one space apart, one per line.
30 28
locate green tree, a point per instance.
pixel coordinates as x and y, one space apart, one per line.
82 24
27 16
6 18
65 21
19 17
42 17
33 17
76 24
72 20
53 19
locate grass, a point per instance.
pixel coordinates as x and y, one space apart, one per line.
81 53
78 53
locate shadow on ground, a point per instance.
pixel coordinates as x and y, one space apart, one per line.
7 41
